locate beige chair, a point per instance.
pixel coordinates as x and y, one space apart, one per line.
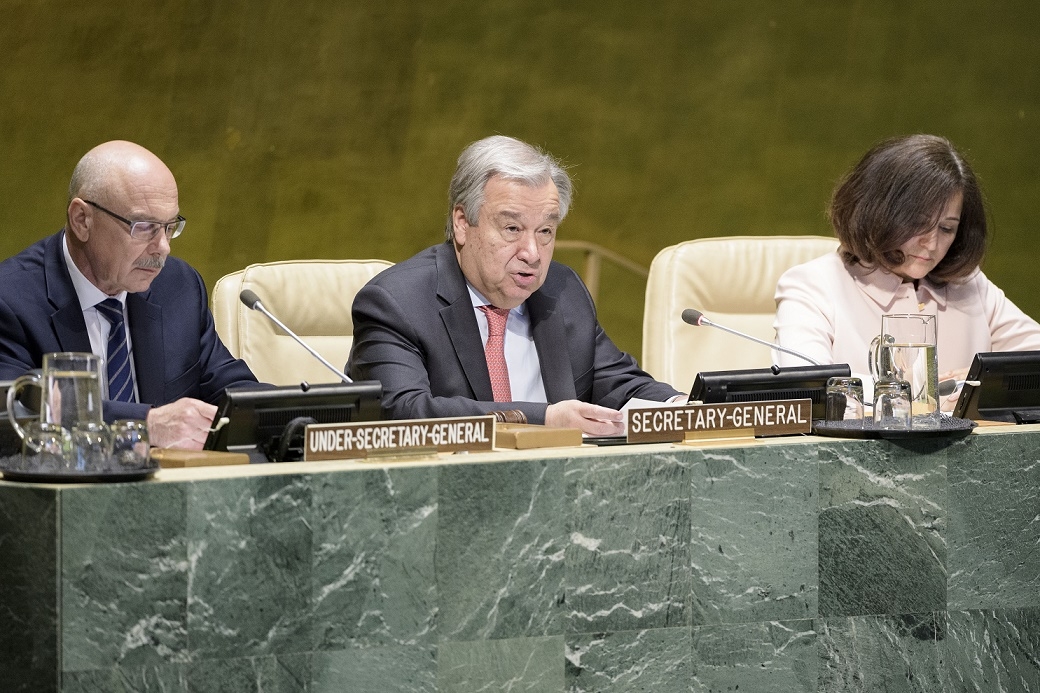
731 280
312 298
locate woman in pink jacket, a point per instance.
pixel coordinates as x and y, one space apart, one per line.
912 225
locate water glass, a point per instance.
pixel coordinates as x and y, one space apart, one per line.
892 405
130 444
45 447
844 399
91 447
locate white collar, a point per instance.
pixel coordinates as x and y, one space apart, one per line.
883 286
478 300
88 294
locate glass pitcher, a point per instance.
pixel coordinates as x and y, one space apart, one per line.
906 350
70 391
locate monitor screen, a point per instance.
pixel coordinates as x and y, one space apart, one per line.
257 417
761 384
1008 388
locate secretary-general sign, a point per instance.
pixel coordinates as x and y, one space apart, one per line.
670 424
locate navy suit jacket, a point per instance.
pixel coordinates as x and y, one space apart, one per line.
416 332
176 350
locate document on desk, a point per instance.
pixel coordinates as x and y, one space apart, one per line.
634 403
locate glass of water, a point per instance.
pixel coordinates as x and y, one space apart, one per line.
892 405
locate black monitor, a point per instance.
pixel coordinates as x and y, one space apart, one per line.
271 419
761 384
1008 389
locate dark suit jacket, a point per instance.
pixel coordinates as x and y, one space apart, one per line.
175 347
416 332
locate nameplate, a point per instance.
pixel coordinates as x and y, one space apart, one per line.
671 424
353 440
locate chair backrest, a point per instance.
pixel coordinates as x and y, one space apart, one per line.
732 280
313 299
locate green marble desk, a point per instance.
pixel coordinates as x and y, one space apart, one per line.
801 564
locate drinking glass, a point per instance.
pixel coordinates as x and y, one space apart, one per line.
91 447
46 447
844 399
892 405
130 444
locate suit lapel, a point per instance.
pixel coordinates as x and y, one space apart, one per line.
147 340
461 323
550 333
67 318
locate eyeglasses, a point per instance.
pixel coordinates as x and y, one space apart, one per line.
146 230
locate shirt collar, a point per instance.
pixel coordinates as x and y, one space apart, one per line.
88 294
883 286
478 300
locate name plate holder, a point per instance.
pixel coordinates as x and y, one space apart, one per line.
416 439
692 422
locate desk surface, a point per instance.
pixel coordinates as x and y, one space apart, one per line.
501 455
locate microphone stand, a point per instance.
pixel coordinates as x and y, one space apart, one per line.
253 302
697 319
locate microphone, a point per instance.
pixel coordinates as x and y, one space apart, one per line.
948 387
253 302
697 319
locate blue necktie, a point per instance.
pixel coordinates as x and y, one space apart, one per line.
120 377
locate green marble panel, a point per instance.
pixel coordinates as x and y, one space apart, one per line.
895 654
882 542
993 650
373 574
28 589
267 674
500 549
532 665
124 576
755 657
645 660
163 678
249 542
628 559
390 669
754 534
995 523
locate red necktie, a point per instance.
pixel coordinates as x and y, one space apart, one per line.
494 352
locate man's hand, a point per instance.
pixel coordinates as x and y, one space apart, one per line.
590 418
181 424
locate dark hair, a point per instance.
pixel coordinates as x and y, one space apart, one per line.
897 191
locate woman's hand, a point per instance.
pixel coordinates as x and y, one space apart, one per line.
957 377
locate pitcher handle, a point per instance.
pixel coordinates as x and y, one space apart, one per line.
12 392
877 371
872 353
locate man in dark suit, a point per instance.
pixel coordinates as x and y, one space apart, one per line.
106 284
487 321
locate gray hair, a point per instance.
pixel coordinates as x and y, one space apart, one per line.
512 160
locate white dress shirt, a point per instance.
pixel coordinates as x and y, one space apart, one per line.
97 326
525 373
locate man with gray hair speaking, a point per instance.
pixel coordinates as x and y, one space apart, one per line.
487 322
106 284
